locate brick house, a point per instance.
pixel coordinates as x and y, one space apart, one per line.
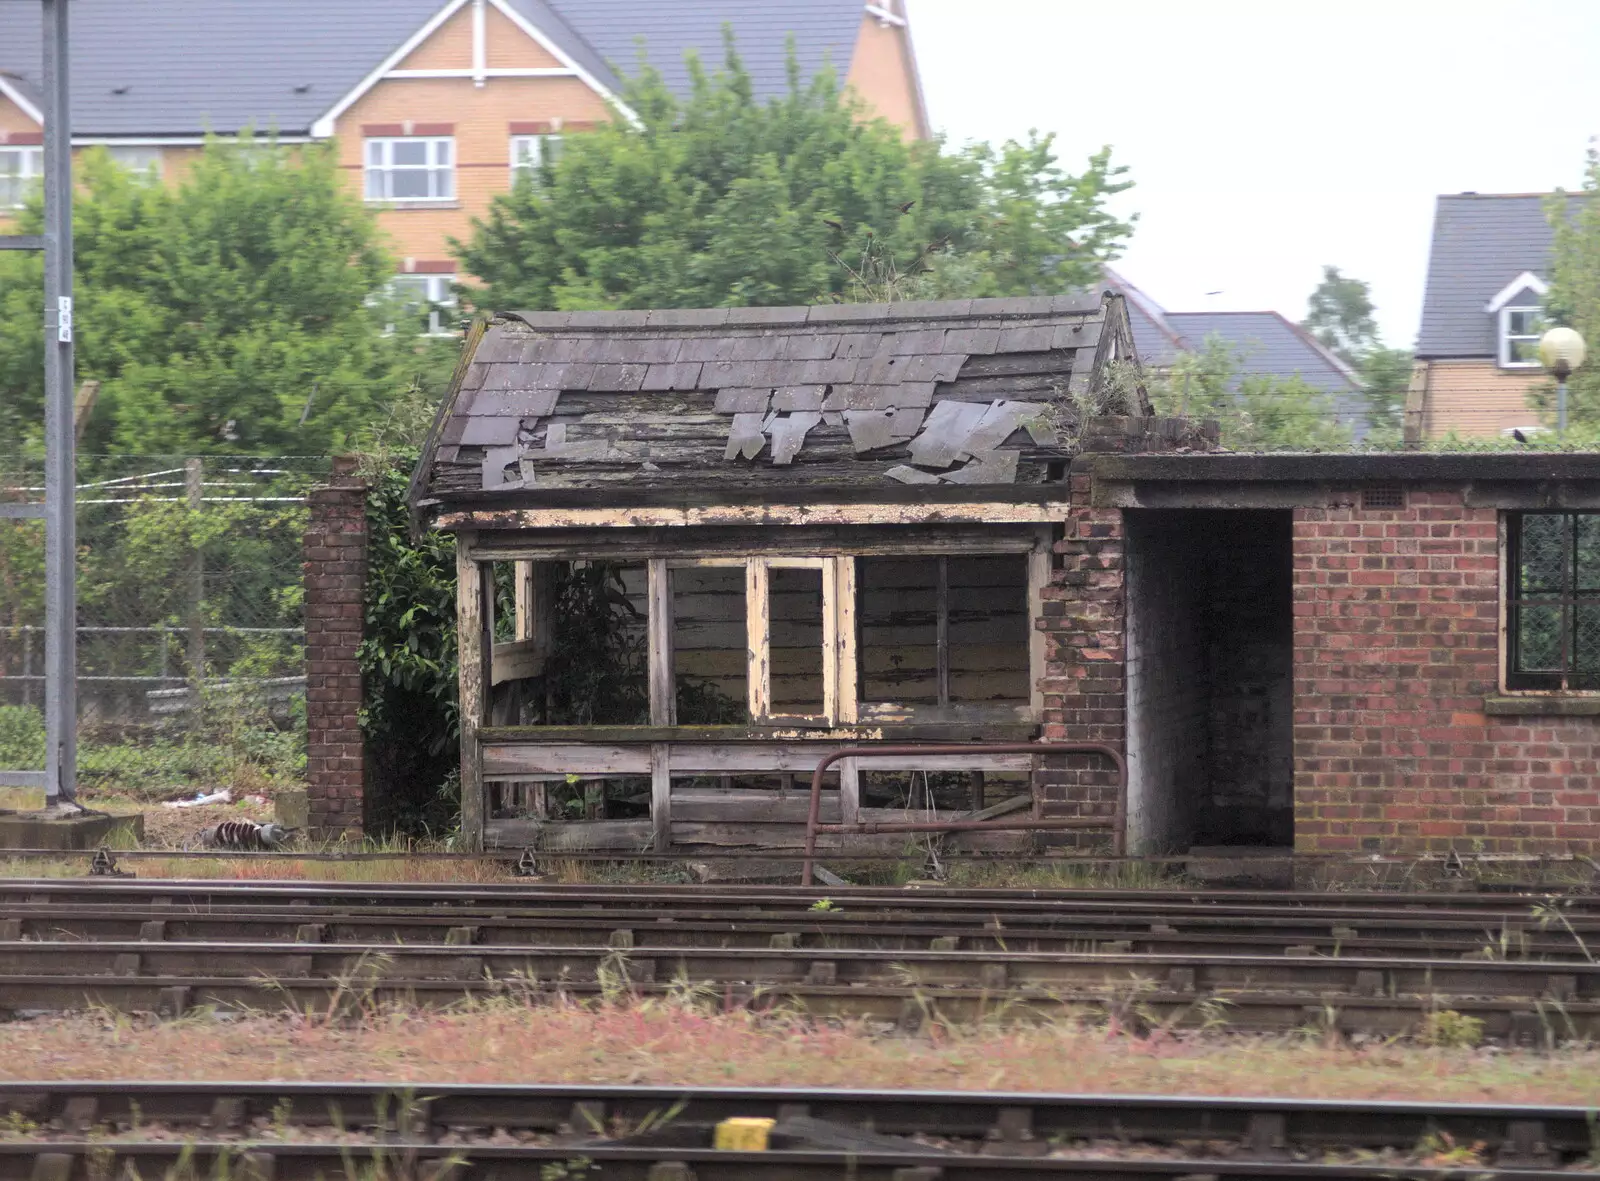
1482 314
435 104
884 523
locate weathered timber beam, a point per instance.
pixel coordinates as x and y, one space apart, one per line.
772 514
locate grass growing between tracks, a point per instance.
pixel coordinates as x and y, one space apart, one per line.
683 1043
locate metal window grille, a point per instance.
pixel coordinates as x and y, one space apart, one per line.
1553 601
1383 496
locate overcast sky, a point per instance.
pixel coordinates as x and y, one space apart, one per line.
1267 137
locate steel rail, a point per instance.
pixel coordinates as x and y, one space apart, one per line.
211 891
1035 822
1009 1123
1175 931
495 1162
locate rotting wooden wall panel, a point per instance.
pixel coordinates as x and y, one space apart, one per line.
473 630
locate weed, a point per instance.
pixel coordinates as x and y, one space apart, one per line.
824 904
1554 910
1450 1030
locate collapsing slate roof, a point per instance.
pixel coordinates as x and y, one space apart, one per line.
949 392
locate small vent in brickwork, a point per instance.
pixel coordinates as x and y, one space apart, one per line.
1383 496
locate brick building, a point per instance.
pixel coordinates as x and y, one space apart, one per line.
891 523
1346 653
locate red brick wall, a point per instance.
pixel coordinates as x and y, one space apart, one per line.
1396 646
335 582
1084 683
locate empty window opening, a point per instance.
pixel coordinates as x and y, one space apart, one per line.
1210 679
710 645
942 631
1553 601
795 640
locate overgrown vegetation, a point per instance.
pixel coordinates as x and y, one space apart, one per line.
231 311
408 663
719 199
1256 412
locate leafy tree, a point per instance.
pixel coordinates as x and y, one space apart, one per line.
719 200
1257 412
1340 315
1574 296
231 312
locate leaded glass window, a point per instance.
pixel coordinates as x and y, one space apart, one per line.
1553 601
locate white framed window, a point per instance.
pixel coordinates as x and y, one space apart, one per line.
529 152
1520 329
428 300
411 168
142 159
21 170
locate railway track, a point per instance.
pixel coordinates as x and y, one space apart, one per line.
1525 1001
1375 963
279 1132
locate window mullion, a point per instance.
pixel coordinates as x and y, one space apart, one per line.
942 630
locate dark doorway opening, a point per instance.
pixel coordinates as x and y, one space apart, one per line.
1210 658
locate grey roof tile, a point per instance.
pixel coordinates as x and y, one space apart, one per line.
775 385
1481 242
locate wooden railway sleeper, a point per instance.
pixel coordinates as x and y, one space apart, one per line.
1012 1134
1526 1145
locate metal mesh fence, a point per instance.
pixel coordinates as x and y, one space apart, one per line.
190 621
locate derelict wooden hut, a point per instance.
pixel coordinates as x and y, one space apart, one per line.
807 527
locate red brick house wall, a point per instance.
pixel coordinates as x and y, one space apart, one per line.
1397 620
1084 684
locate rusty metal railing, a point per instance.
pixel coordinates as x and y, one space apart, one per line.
1033 823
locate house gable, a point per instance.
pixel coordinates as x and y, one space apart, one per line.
883 71
476 13
19 113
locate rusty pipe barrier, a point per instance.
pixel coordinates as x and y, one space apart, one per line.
814 812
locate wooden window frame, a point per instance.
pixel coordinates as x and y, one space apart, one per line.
1039 567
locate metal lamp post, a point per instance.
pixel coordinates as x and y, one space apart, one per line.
1561 350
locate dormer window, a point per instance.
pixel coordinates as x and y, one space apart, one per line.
1520 329
1519 318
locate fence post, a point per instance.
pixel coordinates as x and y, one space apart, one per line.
194 489
335 585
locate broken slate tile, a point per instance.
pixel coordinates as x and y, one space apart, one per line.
1000 421
746 401
524 403
944 434
910 475
617 378
680 375
495 461
797 397
490 432
943 367
1035 419
1034 338
745 439
788 433
873 429
988 467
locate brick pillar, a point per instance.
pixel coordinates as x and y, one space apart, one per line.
335 583
1085 682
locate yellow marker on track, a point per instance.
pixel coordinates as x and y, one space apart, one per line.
742 1134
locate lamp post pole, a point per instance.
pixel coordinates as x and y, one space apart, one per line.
1561 350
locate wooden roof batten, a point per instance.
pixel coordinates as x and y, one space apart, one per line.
936 401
